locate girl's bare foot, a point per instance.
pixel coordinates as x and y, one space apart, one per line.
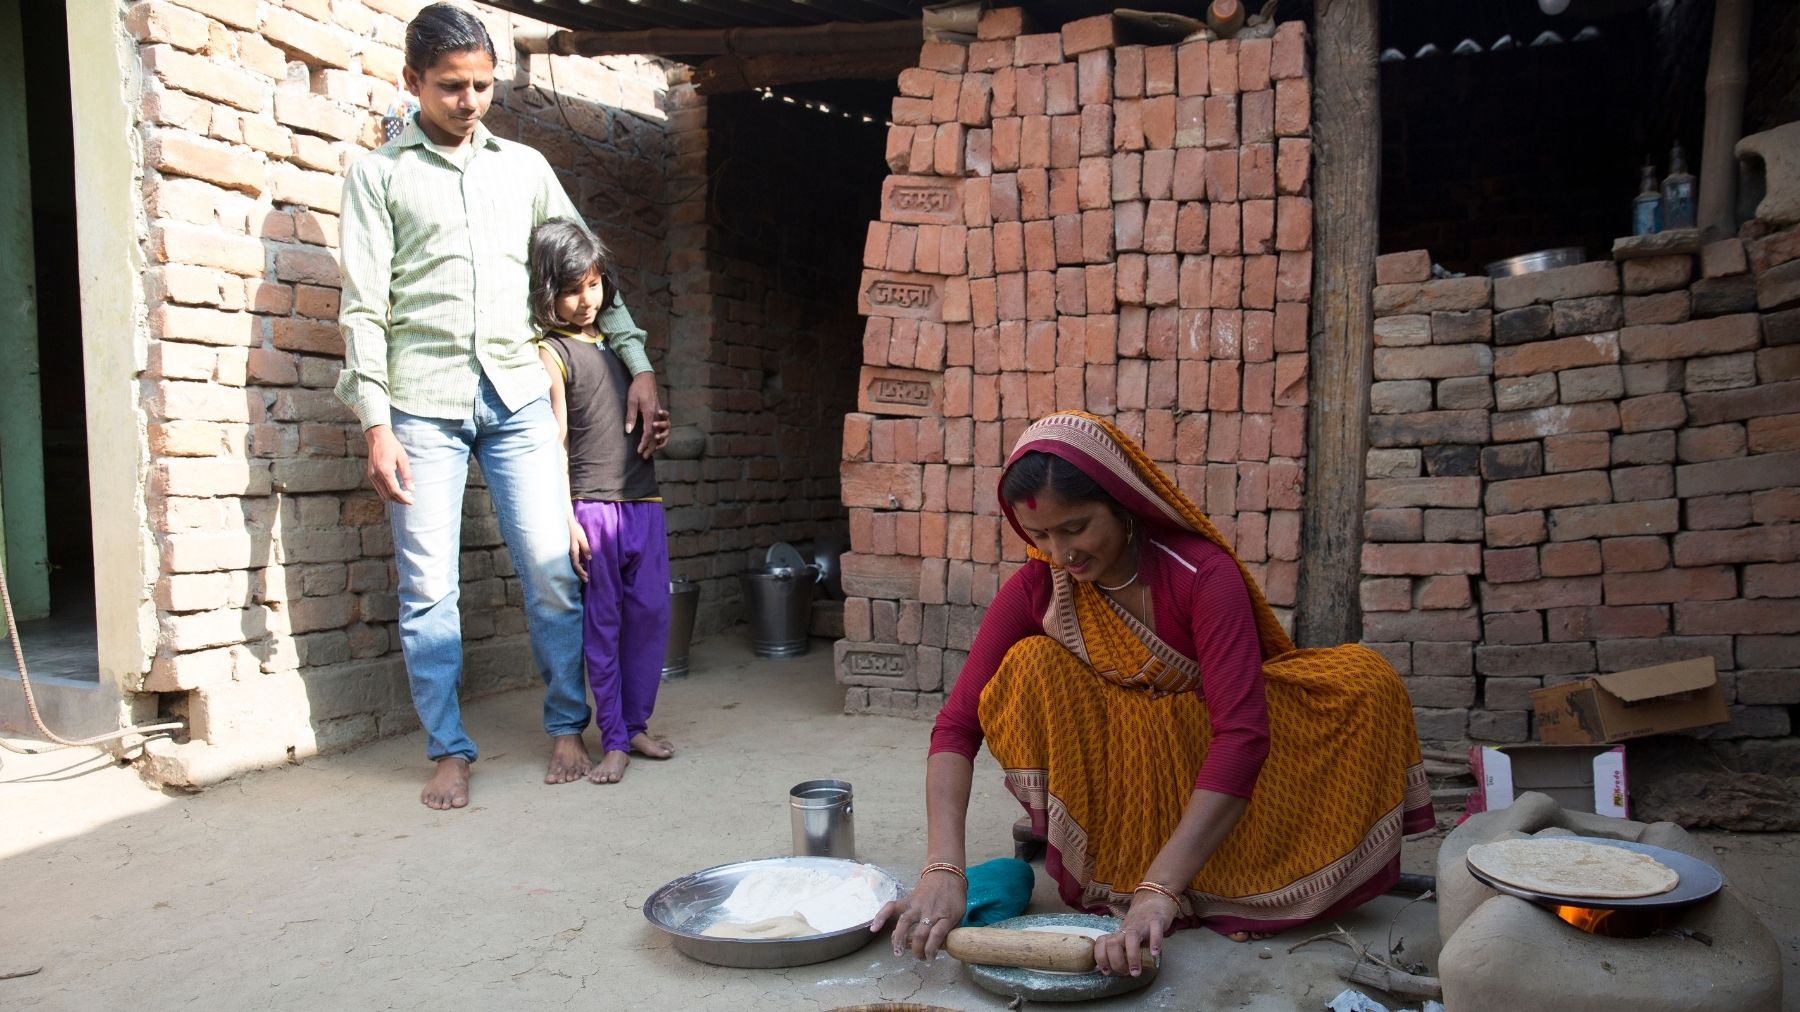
1249 936
650 748
569 760
448 786
611 768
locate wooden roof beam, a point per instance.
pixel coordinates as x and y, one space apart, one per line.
835 37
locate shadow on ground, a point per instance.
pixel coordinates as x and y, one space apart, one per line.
328 885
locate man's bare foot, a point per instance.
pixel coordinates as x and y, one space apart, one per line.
1249 936
650 748
569 760
611 768
448 786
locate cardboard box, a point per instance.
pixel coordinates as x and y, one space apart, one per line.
1631 704
1581 778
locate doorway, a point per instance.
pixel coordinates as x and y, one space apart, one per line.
44 492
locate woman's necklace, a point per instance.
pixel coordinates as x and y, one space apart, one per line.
1136 568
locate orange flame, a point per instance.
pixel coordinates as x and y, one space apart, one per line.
1589 920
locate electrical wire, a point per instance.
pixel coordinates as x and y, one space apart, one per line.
57 741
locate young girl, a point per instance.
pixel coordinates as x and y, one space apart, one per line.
616 532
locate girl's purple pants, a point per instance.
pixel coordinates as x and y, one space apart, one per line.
625 628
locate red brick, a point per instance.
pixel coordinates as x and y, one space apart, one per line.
1581 280
1293 165
1739 405
1634 554
1420 559
1510 565
201 76
1512 628
1002 23
1657 274
1517 426
1553 356
1293 108
1449 294
1222 59
1711 442
1715 336
1607 520
1570 558
1549 593
1226 293
1714 583
1094 72
1517 529
1772 435
302 38
1743 474
1751 544
1608 623
1772 580
1578 451
1523 494
1088 34
1293 223
1432 362
1159 70
1442 592
1413 626
1761 617
1397 268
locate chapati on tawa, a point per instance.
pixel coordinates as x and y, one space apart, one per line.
1563 867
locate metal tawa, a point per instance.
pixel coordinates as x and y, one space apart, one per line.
1696 881
1046 985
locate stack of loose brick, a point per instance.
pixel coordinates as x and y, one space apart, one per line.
1631 498
274 594
1073 224
1429 406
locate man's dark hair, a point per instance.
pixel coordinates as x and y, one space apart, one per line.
1037 472
444 28
562 256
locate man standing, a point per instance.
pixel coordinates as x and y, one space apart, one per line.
439 366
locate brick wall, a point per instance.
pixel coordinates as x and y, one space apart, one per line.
1072 223
766 346
1586 470
273 602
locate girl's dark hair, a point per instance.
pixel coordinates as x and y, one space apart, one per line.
1037 471
562 256
444 28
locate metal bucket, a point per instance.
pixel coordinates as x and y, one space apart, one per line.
780 600
822 817
684 603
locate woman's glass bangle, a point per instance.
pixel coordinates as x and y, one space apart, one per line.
945 866
1157 887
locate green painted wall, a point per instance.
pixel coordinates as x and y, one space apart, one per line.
21 424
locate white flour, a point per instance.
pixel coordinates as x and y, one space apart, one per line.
828 902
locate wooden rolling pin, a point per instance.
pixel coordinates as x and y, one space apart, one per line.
1033 950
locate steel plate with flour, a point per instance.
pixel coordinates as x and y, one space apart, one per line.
1049 985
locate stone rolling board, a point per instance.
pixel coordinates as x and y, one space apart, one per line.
1503 952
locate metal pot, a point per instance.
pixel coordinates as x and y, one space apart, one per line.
1542 260
683 908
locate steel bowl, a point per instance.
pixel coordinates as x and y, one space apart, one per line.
1542 260
687 906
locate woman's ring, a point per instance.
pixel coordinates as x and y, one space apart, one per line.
924 922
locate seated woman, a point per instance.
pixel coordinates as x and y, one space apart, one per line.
1186 763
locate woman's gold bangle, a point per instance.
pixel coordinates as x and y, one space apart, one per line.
1157 887
945 866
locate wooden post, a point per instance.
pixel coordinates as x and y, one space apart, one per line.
1726 77
1346 87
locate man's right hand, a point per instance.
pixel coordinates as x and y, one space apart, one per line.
389 472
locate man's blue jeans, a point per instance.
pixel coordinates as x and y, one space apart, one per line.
522 463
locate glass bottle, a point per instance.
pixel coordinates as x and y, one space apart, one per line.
1647 207
1678 193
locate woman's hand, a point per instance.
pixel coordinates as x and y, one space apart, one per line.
579 550
1146 922
923 919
